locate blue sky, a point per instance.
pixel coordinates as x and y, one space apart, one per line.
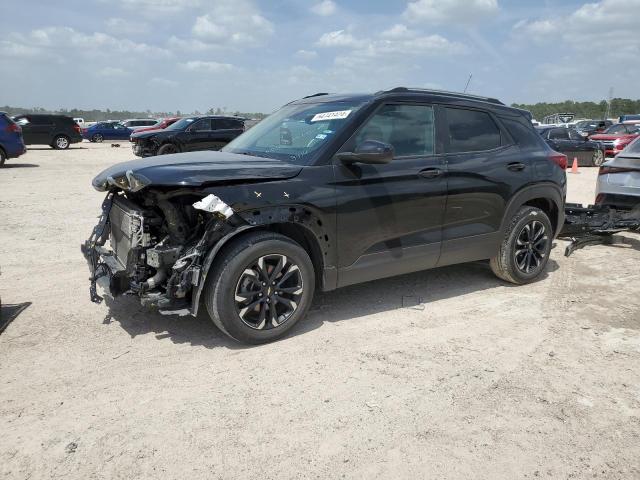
255 55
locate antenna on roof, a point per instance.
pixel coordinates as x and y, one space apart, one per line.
468 82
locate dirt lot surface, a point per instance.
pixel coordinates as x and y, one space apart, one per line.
442 374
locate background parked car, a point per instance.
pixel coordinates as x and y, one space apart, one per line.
628 118
591 127
573 145
619 179
135 123
160 124
11 143
615 138
57 131
106 131
188 135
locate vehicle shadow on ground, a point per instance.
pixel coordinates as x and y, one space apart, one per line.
53 149
19 165
9 312
415 290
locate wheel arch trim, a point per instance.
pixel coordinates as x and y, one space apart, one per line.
547 191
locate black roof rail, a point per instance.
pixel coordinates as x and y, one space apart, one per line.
441 92
316 95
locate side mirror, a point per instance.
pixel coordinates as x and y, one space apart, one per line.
369 151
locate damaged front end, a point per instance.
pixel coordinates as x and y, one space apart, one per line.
158 244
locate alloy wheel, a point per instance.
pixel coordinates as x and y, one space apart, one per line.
62 143
268 292
598 158
97 138
531 247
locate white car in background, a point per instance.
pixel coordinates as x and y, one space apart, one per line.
135 123
619 179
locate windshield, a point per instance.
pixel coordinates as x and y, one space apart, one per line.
295 132
616 129
181 124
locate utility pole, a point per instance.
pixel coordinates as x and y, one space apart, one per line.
468 82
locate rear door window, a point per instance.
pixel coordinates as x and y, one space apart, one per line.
471 131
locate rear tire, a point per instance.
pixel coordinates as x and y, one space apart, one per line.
61 142
240 294
167 149
525 250
3 158
97 138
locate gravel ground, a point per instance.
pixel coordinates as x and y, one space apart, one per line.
448 373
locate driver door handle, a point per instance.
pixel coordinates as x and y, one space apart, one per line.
516 166
430 173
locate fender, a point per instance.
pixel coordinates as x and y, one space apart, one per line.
547 190
257 218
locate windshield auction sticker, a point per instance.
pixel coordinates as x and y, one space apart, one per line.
318 117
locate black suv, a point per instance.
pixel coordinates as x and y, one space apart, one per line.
329 191
57 131
188 135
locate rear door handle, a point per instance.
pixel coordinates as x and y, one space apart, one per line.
516 166
430 173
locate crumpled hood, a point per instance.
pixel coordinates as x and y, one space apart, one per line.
196 169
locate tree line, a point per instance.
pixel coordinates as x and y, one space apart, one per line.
102 115
591 110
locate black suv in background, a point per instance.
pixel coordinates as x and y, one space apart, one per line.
570 142
329 191
188 135
57 131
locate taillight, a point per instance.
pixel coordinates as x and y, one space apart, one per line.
77 128
559 159
13 128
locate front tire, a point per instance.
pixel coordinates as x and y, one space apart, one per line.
167 149
525 250
261 285
97 138
598 158
61 142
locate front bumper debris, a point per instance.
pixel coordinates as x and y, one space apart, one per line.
596 224
93 250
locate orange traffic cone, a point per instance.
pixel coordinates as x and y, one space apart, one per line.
574 166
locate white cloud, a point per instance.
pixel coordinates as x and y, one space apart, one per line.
202 66
610 24
324 8
154 7
445 11
162 82
339 38
306 54
121 26
113 72
607 26
49 40
398 31
233 22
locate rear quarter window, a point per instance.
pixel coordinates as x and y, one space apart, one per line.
471 131
522 133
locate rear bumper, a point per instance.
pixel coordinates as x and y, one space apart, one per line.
14 151
618 201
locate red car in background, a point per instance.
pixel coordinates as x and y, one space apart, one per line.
615 138
161 125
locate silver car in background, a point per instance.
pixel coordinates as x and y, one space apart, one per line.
619 179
